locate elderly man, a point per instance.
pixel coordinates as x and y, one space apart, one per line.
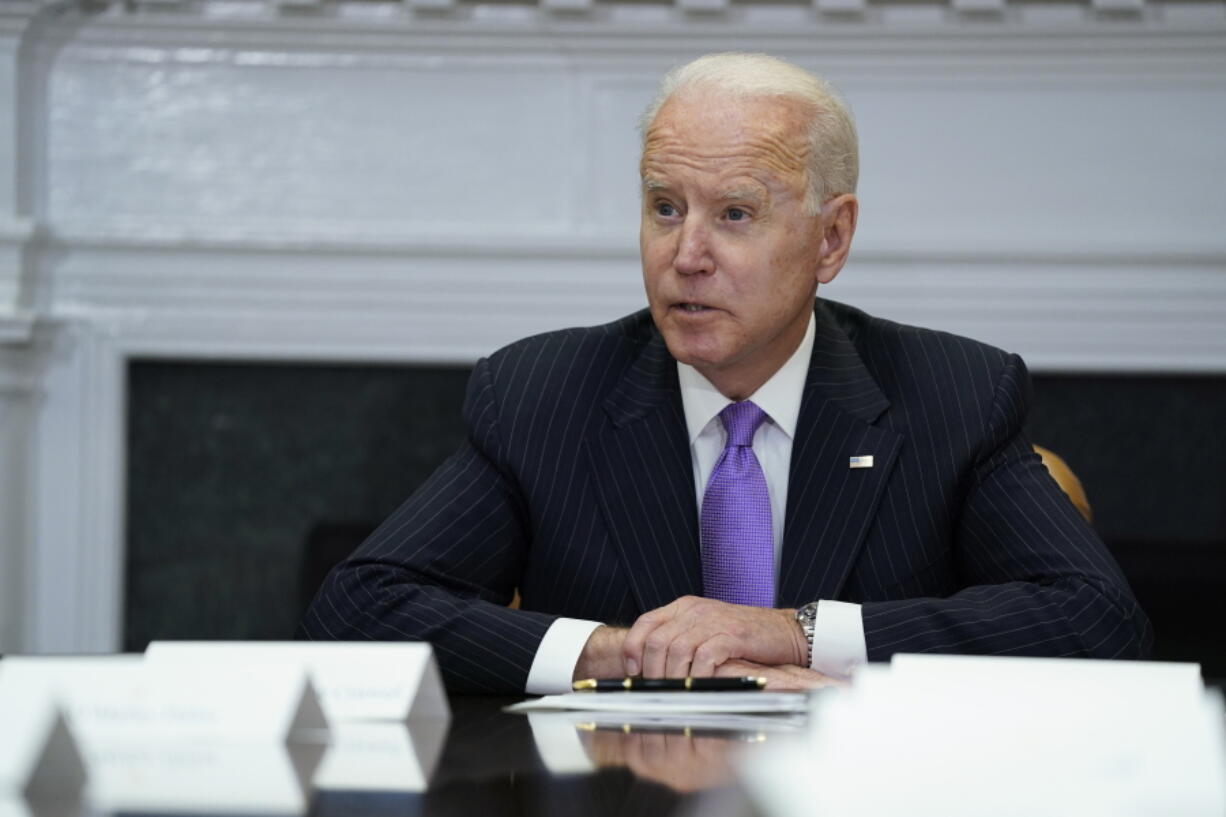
742 479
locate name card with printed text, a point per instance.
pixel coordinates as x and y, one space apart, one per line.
965 736
356 681
118 695
39 759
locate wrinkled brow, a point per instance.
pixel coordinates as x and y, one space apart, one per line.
651 185
742 194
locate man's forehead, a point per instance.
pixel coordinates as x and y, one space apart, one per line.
712 110
702 129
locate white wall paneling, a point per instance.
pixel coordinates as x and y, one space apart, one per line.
427 180
17 395
74 570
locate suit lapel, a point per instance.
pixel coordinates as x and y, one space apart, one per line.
831 505
645 481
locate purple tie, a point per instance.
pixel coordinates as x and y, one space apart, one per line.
738 551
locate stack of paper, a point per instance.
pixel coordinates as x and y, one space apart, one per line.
670 703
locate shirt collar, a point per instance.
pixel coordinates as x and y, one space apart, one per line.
779 396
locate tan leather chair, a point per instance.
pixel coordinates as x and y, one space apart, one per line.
1067 480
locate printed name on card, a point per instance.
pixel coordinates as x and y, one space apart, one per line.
105 695
362 681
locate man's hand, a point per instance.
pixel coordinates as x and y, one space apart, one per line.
682 762
692 636
783 678
602 654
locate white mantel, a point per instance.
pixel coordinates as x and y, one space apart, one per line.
429 179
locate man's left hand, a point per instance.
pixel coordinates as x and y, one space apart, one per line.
692 636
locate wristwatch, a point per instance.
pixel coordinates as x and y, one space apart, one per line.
806 617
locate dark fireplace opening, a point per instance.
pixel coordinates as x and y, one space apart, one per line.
234 467
247 481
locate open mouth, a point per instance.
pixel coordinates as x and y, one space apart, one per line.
692 308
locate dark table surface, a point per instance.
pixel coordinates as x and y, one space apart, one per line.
490 765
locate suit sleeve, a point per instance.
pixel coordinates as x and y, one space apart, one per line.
1036 578
444 566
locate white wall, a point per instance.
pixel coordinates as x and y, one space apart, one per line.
373 181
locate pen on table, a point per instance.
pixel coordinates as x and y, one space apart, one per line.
667 684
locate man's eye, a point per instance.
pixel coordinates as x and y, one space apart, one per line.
736 214
663 208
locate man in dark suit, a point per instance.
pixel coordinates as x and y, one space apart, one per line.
741 479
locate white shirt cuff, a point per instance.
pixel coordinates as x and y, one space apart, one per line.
556 657
838 639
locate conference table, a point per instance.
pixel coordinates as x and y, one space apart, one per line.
487 761
492 763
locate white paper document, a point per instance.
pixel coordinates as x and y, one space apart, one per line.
669 702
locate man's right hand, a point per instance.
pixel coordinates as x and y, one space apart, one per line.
602 654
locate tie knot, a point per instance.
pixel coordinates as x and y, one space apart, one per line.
741 420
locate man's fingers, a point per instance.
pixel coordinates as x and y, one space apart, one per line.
655 651
680 655
710 654
666 643
636 641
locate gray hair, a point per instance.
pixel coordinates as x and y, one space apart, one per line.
834 160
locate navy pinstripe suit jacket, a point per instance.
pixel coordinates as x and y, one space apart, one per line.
576 487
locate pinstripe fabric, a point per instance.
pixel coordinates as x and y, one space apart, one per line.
575 485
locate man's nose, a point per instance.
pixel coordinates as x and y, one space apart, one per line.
693 249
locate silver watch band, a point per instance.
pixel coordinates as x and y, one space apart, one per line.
806 617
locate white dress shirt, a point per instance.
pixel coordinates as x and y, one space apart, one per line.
838 643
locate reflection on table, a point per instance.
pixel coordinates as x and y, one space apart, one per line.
499 763
482 761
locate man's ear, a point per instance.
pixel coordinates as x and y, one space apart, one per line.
838 226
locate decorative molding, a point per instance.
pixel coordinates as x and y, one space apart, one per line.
16 383
16 321
19 19
16 329
75 571
1119 317
580 32
463 241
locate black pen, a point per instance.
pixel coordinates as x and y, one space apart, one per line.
667 684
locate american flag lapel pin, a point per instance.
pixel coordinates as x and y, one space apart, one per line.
862 461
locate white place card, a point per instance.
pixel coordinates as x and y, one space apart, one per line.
381 756
115 695
1163 679
356 681
201 776
967 736
38 756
